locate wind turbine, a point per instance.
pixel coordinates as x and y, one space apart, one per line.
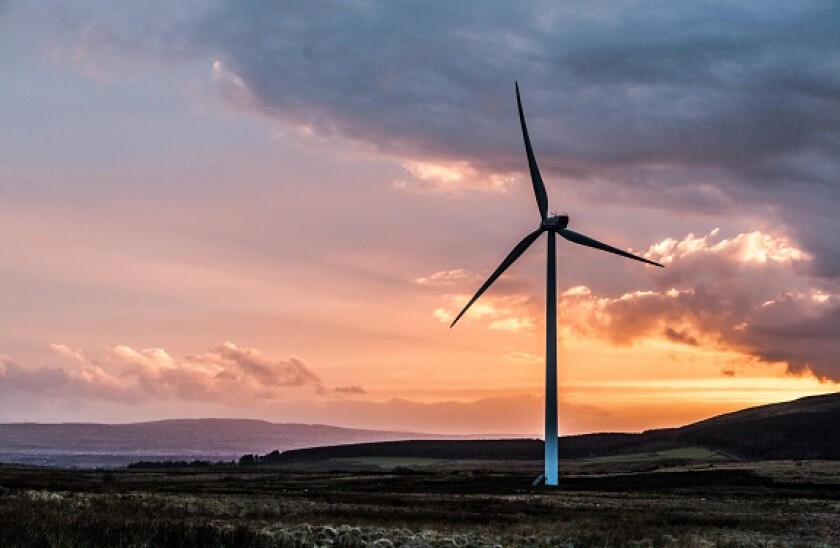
555 224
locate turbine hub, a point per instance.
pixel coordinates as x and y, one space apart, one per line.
554 222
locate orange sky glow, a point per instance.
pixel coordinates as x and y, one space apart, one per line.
226 224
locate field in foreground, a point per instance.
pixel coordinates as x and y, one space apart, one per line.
624 503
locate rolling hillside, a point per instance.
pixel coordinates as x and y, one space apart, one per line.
807 428
90 444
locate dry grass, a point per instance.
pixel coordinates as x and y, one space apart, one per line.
725 504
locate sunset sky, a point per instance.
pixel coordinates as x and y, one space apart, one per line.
273 210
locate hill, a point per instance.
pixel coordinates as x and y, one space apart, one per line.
91 444
807 428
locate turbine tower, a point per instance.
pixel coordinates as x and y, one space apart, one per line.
551 225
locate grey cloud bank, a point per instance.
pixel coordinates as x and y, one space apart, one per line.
721 108
710 106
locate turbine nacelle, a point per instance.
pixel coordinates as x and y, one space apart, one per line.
555 222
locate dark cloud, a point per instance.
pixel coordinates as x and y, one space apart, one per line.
680 335
351 390
722 107
711 106
751 293
802 339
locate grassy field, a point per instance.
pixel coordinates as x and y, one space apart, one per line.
396 463
643 502
383 463
685 453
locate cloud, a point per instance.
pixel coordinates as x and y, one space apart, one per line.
754 247
678 107
443 315
526 357
75 354
225 374
667 106
451 177
670 106
680 336
88 381
502 312
752 292
351 390
232 88
513 324
251 363
508 306
446 278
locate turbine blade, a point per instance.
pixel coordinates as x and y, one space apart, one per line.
512 256
536 179
576 237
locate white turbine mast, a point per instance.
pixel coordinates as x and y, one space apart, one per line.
551 225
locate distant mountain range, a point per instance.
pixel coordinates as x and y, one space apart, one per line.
91 445
807 428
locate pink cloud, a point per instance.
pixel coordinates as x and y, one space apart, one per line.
445 278
754 292
63 350
225 374
508 306
452 177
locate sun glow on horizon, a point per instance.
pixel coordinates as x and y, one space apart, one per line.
258 220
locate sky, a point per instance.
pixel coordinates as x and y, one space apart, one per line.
274 210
